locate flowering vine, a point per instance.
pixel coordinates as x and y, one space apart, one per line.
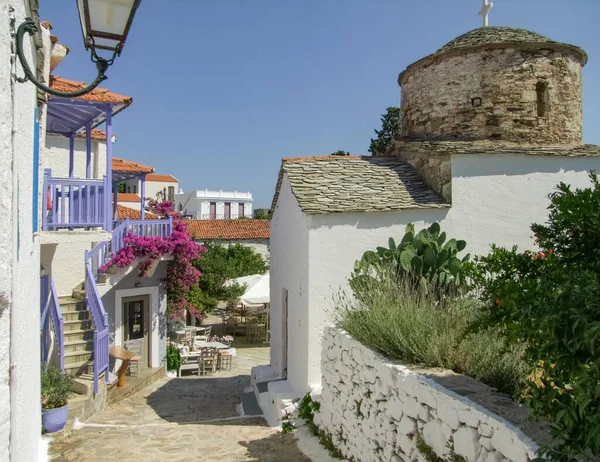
182 276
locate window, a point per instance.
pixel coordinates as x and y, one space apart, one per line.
171 193
240 210
180 207
213 211
128 189
227 210
135 189
543 98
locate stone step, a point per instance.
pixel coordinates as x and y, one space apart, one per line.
80 345
77 325
80 368
79 294
79 334
75 357
76 315
84 384
70 304
250 405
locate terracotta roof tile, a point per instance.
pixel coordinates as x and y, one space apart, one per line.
350 184
96 134
127 212
159 177
122 165
100 95
229 229
128 197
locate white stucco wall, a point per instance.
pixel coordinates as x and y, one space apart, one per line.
495 200
289 270
358 381
197 203
56 157
132 205
19 252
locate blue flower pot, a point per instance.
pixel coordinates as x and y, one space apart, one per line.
54 420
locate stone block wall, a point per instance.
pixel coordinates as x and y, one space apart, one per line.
376 411
493 94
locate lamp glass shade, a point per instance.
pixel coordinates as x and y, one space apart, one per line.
106 23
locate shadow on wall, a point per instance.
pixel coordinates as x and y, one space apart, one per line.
379 220
193 399
465 166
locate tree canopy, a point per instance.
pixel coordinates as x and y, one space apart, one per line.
391 124
218 264
340 153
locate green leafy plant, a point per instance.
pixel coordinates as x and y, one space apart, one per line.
287 426
340 153
173 358
426 257
391 126
219 264
308 407
550 301
55 387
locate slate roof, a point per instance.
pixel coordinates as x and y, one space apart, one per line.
498 37
349 184
122 165
494 147
229 229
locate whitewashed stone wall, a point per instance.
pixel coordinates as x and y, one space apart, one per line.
375 411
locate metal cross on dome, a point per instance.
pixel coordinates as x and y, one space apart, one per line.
484 11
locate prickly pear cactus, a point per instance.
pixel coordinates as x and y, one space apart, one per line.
425 256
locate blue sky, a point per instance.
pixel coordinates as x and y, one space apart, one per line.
223 89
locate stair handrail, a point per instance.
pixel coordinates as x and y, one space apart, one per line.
52 308
101 328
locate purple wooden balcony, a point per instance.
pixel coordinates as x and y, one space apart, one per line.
74 203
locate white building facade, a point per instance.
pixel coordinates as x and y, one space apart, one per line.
485 182
22 120
157 185
210 205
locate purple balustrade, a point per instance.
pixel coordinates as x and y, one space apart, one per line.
101 327
50 310
73 203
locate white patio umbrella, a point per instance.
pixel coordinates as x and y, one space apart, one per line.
257 290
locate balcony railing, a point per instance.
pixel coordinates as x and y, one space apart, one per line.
221 216
73 203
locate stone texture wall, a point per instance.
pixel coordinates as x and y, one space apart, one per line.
376 411
491 94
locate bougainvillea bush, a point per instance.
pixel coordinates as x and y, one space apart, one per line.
182 276
550 301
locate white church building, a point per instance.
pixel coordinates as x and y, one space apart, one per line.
491 123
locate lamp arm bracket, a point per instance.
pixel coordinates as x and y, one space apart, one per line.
28 26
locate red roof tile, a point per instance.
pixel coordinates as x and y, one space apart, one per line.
159 177
127 212
128 197
100 95
122 165
229 229
96 134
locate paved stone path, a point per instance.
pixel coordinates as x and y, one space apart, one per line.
177 420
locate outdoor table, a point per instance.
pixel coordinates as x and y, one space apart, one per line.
124 355
217 345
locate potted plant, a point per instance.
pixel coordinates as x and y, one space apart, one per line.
173 360
55 389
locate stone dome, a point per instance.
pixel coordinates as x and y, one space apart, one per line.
500 83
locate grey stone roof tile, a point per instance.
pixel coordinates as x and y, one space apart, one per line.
345 184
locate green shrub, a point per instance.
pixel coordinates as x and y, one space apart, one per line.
173 358
550 300
412 323
426 257
55 387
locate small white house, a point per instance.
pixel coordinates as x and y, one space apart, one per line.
214 205
165 185
479 159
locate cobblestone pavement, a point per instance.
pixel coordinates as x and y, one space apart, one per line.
174 419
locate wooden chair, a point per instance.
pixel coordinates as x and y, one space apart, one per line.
207 361
206 335
135 346
225 360
188 360
256 331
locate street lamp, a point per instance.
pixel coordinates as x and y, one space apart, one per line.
105 25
